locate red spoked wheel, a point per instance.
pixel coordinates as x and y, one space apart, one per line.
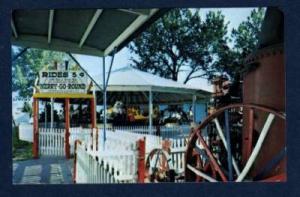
159 167
239 142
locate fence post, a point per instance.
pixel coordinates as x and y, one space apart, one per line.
141 160
67 124
35 147
75 159
93 113
158 130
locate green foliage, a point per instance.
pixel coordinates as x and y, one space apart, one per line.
182 41
246 35
25 69
21 150
27 108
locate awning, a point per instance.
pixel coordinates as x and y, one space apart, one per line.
82 31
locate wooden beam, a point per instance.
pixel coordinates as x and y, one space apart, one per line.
13 27
139 21
50 25
90 27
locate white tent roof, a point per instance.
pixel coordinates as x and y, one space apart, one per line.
129 79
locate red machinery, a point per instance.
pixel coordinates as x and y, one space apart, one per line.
246 142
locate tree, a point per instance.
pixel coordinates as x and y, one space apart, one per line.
180 41
245 40
246 36
25 69
27 108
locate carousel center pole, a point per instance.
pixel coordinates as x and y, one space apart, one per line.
45 114
194 107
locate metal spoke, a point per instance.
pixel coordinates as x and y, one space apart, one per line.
229 156
211 157
220 132
257 147
199 173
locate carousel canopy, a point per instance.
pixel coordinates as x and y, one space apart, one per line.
132 86
81 31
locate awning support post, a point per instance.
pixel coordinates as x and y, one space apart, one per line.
105 84
104 105
111 63
150 111
75 60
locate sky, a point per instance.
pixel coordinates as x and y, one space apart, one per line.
93 64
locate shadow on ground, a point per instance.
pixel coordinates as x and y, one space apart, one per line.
45 170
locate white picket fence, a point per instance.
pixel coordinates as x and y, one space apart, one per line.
52 141
90 170
78 133
117 163
178 148
166 132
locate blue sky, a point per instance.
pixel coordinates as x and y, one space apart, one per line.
94 64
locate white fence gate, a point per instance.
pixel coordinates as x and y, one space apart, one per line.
52 141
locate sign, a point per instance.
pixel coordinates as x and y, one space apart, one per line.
63 81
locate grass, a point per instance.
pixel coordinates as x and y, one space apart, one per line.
21 150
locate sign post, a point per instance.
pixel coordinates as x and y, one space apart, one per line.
35 147
67 124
